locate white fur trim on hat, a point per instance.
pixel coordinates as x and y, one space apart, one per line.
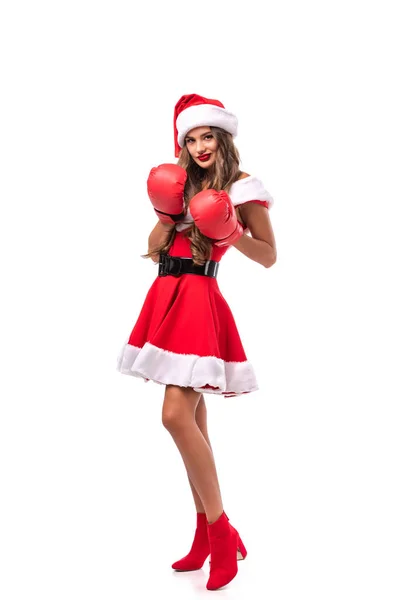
205 114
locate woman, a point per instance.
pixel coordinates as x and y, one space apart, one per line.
185 336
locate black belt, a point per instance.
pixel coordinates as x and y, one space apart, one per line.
177 265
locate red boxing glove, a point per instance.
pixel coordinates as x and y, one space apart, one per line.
165 186
215 216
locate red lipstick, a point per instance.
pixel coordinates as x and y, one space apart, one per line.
204 157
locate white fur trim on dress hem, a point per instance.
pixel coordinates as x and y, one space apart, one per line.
187 370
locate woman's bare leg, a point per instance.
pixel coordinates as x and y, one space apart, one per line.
201 420
178 416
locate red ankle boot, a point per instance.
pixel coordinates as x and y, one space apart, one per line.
226 548
200 548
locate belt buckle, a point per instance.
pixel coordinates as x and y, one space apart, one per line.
169 265
162 271
175 261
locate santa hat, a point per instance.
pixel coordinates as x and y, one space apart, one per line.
193 111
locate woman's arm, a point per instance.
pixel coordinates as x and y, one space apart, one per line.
158 236
261 246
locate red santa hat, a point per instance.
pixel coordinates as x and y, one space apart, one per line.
193 111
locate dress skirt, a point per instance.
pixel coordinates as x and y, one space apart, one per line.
186 335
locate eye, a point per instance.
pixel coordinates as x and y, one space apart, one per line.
208 136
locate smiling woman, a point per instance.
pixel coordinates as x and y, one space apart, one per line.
185 336
202 146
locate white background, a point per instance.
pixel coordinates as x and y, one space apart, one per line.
95 502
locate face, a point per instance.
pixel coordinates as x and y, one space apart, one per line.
201 141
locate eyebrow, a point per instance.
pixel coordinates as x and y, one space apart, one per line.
188 137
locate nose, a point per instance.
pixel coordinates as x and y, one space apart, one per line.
200 147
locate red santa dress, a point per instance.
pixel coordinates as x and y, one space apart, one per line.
185 333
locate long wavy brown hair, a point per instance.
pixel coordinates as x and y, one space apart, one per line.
219 176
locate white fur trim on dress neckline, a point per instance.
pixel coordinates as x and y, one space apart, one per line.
249 188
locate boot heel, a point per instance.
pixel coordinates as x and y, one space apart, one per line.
241 550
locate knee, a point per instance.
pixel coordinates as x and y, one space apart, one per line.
172 418
177 411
